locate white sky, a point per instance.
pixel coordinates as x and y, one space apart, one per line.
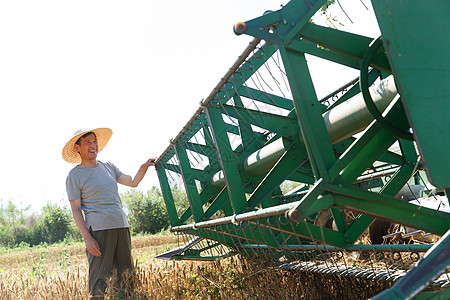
138 67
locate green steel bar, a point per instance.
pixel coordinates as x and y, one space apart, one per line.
309 113
227 160
312 49
348 44
260 213
246 131
167 194
190 185
391 209
219 202
265 97
286 165
201 149
284 126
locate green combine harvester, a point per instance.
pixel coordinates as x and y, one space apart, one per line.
273 172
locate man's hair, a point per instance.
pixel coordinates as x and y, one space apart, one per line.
78 142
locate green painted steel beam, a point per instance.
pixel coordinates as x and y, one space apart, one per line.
284 126
310 48
389 208
248 136
172 168
201 149
167 195
227 160
219 202
266 98
348 44
190 185
309 113
285 166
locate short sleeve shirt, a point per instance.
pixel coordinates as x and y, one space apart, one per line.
100 201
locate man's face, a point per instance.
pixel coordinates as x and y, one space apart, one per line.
88 147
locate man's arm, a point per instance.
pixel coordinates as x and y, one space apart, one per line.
91 244
134 182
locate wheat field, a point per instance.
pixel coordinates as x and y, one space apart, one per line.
61 273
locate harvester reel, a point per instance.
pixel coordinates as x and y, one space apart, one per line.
271 171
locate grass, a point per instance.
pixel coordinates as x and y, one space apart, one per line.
61 273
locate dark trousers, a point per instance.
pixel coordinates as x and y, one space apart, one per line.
115 246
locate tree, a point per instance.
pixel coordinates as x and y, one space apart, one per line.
146 213
56 223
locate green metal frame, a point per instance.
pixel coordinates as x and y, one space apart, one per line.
248 195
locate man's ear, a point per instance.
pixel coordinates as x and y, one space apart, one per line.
76 147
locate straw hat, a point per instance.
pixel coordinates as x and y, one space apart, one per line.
69 153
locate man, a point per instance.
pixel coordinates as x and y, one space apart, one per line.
92 188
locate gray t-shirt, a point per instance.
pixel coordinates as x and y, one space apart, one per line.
99 195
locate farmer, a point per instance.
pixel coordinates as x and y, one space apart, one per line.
92 188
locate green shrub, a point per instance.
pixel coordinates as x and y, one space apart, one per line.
146 213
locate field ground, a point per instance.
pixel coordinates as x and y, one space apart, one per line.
61 273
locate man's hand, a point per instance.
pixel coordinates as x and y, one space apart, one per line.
150 162
92 247
133 182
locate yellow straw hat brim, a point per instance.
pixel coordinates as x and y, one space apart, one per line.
69 153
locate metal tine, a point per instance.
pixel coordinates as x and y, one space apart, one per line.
268 226
261 89
277 83
254 252
251 114
287 250
282 74
229 117
271 232
241 118
234 102
240 248
254 238
233 240
244 234
387 267
291 253
167 172
315 243
266 64
192 155
246 86
201 149
208 144
259 75
325 244
281 70
307 253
